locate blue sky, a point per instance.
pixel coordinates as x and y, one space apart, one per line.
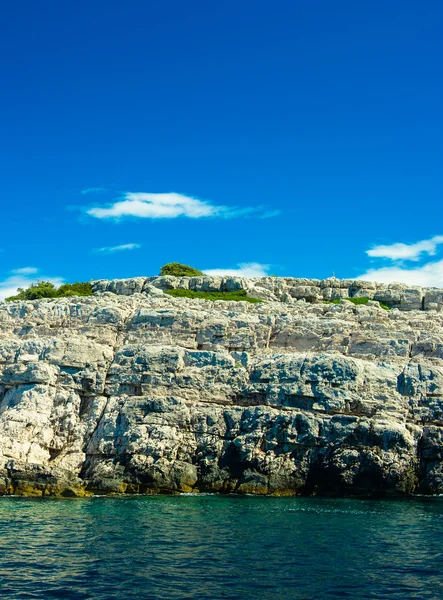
285 137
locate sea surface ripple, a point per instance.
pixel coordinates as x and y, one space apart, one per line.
221 547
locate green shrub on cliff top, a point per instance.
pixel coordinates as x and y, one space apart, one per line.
46 289
42 289
236 296
79 288
357 301
179 270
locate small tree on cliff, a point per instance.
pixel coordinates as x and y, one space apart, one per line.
46 289
179 270
41 289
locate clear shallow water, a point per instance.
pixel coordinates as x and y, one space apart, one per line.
221 547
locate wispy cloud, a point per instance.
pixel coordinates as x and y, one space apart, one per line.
93 190
428 274
401 251
242 270
25 271
170 206
269 214
21 278
121 248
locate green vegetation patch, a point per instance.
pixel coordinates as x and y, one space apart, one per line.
79 288
46 289
237 296
179 270
357 301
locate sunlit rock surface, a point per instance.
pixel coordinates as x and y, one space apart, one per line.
134 391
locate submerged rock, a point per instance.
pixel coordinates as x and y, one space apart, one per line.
134 391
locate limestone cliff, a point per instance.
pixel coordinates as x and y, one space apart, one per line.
132 390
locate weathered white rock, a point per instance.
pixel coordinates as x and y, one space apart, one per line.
134 390
282 288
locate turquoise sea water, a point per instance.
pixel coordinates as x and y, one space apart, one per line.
221 547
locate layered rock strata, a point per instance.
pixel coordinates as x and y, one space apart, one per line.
285 289
134 391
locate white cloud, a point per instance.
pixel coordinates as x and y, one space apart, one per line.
25 271
93 190
121 248
428 275
155 206
21 278
242 270
407 251
168 206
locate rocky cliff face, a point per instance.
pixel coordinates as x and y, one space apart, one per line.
286 289
131 390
